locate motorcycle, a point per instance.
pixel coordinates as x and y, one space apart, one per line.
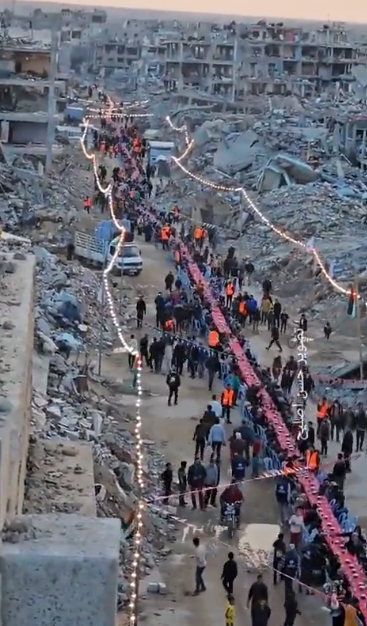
230 519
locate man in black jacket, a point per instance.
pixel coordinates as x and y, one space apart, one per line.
182 482
173 381
212 367
196 478
169 280
291 608
361 426
277 310
167 477
229 573
278 554
274 332
200 434
159 308
144 342
141 310
258 593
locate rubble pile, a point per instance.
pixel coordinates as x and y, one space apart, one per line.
87 416
77 405
289 160
26 201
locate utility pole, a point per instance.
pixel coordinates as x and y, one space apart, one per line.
51 96
359 325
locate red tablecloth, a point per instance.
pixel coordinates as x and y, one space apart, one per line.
350 566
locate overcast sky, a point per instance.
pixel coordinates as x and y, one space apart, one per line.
334 10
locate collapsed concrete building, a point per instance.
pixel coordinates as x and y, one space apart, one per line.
32 97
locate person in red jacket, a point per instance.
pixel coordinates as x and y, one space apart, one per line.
231 495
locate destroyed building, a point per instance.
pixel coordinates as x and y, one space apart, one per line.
31 96
238 59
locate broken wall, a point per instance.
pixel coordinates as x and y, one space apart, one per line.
55 568
27 132
17 314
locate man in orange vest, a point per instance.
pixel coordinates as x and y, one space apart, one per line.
165 237
322 411
242 311
312 459
229 294
213 339
197 235
227 401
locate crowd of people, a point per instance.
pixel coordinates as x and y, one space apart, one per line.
187 338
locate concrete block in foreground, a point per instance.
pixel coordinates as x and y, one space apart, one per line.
60 569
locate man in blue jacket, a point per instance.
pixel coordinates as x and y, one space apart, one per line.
290 567
238 467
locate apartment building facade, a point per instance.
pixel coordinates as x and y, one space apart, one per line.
281 58
28 70
231 61
206 63
110 55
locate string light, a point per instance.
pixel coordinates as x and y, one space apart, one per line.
227 188
251 204
125 105
107 191
120 115
180 129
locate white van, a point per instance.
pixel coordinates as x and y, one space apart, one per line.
100 253
130 261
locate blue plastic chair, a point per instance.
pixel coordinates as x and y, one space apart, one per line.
242 393
342 518
223 370
353 521
196 325
268 464
348 526
321 475
256 430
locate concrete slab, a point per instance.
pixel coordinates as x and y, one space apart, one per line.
62 570
17 315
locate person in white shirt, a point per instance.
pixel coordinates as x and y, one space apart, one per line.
133 344
200 558
296 527
216 407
